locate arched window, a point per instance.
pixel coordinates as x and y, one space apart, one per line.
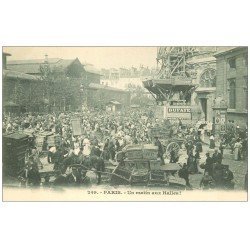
208 78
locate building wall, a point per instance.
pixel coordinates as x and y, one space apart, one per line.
20 92
122 83
100 97
91 77
197 98
240 74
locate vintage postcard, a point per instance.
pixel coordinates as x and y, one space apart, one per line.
165 123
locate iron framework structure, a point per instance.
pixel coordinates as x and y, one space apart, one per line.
175 74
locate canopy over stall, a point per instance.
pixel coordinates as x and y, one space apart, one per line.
164 89
113 106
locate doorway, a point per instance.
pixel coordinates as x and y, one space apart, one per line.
204 106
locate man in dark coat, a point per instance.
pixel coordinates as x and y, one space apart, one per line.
99 165
228 177
73 179
217 157
191 164
209 164
60 179
160 150
183 173
198 147
58 158
85 180
189 147
34 177
105 149
96 151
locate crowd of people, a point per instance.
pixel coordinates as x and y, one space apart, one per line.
104 134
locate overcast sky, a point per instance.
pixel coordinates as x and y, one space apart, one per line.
100 57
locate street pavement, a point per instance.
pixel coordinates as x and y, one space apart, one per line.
239 168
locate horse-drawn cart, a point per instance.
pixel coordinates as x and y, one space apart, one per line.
140 166
170 139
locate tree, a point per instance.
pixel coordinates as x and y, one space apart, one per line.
139 96
60 91
27 94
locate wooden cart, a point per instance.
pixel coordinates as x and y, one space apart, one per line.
168 138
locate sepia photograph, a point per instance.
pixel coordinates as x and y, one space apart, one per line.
163 123
124 125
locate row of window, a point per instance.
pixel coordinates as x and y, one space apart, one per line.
232 62
232 92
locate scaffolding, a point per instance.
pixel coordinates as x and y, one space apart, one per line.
172 61
175 74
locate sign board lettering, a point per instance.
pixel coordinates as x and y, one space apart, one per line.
178 112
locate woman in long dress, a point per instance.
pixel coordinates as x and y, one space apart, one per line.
237 148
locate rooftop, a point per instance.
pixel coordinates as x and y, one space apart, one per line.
11 74
6 54
91 69
100 86
229 50
194 60
33 66
33 61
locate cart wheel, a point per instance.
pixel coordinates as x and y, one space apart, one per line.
172 146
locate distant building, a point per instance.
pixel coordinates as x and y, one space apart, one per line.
91 74
232 82
132 72
79 76
100 96
71 67
187 66
17 88
33 67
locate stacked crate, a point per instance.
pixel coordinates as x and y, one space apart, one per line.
14 149
139 159
140 162
160 132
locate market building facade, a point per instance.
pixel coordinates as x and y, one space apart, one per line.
18 88
61 83
232 83
203 72
102 96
